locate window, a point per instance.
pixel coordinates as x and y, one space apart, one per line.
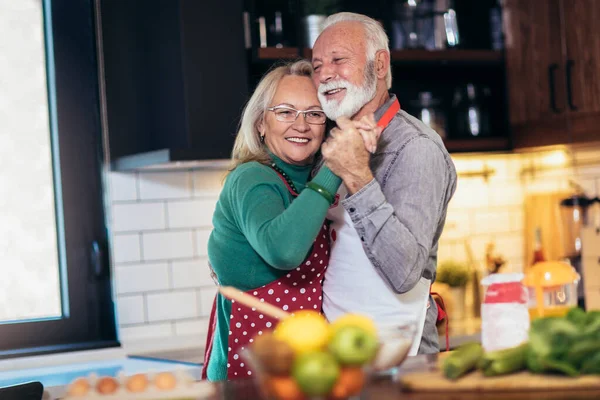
55 292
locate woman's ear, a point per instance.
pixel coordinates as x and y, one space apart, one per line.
260 127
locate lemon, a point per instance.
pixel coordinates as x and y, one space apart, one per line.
304 331
357 320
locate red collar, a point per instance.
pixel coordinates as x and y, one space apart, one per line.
389 114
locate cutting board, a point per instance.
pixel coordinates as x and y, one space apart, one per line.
434 381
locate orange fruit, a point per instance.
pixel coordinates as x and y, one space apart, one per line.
349 383
284 388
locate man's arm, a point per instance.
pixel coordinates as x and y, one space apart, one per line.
397 227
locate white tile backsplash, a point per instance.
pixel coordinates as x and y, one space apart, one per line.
510 246
147 331
189 274
172 305
126 248
165 185
488 220
589 186
458 225
139 278
191 213
197 327
506 194
130 309
205 299
160 225
208 183
168 245
165 266
138 216
123 186
202 236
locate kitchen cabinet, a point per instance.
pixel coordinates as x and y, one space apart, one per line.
552 50
536 92
582 59
440 71
175 80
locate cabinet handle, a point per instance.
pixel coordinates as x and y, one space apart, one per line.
551 69
569 72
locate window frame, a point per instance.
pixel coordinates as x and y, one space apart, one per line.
88 320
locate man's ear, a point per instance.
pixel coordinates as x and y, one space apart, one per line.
382 63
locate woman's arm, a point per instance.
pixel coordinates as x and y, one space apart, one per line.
282 237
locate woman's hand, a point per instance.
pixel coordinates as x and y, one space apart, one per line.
370 132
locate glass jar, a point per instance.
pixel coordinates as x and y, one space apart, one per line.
552 289
471 112
430 112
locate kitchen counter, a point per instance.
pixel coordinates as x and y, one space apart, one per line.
194 355
460 332
387 389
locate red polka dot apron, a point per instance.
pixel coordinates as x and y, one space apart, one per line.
299 289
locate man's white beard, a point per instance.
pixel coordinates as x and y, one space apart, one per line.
356 96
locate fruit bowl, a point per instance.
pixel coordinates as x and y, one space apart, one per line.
337 371
395 341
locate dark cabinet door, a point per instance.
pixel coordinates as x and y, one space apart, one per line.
176 79
536 72
582 67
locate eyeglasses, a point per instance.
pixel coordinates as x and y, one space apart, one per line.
289 114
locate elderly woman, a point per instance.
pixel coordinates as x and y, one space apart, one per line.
270 237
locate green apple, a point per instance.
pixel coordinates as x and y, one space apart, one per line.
352 345
315 372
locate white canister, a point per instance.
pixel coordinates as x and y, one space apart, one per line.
504 312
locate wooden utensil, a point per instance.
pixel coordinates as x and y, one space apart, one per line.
234 294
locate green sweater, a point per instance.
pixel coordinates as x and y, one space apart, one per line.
251 243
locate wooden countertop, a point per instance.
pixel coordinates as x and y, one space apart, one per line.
387 388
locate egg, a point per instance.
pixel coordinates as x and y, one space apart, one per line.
165 381
79 387
107 385
137 383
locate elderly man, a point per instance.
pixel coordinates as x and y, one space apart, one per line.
393 202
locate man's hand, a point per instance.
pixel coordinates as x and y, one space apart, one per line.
345 154
370 132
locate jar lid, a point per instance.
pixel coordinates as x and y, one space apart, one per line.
576 201
550 273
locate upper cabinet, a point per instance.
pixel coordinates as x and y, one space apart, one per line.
175 79
582 67
447 58
552 53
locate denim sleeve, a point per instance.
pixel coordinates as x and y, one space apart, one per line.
397 225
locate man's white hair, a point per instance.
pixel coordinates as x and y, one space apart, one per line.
376 38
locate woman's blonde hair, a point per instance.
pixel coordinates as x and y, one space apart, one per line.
248 146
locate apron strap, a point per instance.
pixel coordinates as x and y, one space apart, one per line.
287 185
212 325
210 336
442 314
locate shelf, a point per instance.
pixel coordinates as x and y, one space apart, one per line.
477 144
448 56
278 53
400 56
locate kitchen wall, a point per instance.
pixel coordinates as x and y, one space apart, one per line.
492 211
161 222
